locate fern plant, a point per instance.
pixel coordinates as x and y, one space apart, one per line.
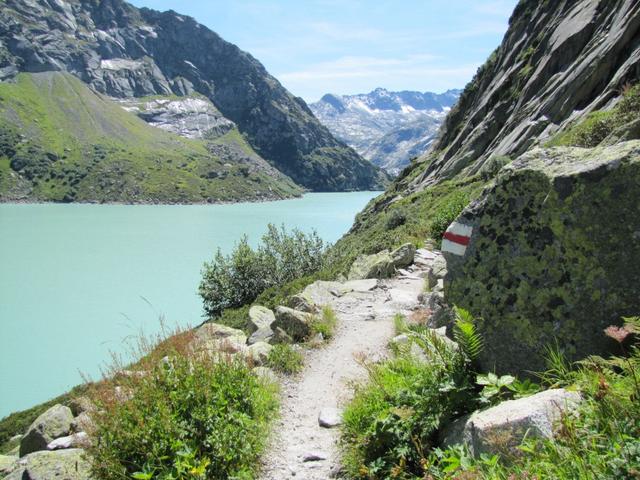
466 334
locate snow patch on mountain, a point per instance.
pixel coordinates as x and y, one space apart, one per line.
387 128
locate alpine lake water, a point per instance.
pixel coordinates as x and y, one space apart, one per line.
78 281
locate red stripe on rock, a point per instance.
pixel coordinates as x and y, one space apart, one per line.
452 237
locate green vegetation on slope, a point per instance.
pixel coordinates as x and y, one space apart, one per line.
622 122
391 427
188 418
59 141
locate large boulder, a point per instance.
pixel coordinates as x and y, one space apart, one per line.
403 256
500 429
295 323
550 251
382 264
53 465
211 338
260 317
54 423
8 463
259 353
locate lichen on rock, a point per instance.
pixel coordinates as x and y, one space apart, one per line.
554 254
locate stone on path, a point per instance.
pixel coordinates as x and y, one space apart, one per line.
316 456
329 417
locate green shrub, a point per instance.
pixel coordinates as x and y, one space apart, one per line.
598 125
391 425
601 440
326 323
286 359
187 418
493 165
395 219
447 213
234 280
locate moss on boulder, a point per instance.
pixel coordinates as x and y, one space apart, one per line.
554 253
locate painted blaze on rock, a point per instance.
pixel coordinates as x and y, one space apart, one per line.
553 252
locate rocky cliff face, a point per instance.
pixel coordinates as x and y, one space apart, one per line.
126 52
559 61
388 128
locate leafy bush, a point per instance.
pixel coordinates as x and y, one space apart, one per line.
395 219
493 165
188 418
234 280
391 425
286 359
447 213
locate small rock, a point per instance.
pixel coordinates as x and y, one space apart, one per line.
403 256
315 456
80 405
54 423
264 334
77 440
82 423
303 303
401 339
259 352
68 464
505 426
295 323
330 417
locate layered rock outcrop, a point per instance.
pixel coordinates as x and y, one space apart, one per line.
558 62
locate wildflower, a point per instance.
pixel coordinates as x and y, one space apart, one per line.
619 334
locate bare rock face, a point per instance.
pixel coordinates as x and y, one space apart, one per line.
558 62
552 253
54 423
502 428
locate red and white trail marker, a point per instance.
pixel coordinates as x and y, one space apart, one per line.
456 238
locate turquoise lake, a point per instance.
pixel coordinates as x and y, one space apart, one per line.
76 281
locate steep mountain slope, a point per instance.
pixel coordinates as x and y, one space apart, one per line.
558 62
388 128
126 52
61 141
562 66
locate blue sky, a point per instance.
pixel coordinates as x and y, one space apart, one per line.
353 46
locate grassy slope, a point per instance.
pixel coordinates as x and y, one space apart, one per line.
70 144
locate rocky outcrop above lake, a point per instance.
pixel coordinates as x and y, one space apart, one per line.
550 252
558 62
126 52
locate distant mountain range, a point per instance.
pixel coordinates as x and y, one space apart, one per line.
77 77
387 128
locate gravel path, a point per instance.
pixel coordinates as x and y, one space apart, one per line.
365 310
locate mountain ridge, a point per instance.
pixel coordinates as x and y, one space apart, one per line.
388 128
126 52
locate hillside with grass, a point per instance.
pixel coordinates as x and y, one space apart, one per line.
61 141
134 53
